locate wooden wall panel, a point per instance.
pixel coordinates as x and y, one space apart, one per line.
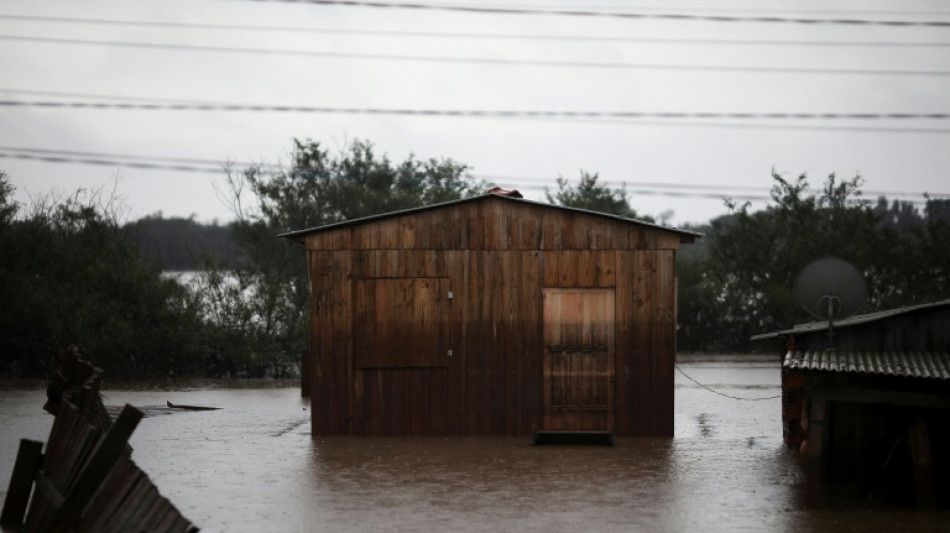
493 383
552 225
512 338
586 269
501 255
330 334
664 343
626 355
530 331
497 224
567 268
605 268
402 401
644 320
476 299
453 267
402 322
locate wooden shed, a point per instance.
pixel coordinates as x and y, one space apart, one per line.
492 315
870 406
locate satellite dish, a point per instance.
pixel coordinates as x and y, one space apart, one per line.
831 289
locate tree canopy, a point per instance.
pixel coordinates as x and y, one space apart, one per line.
742 282
69 276
590 195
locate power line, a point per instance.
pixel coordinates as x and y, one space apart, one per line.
696 120
182 164
108 96
478 113
474 35
51 157
759 398
487 61
615 14
177 160
705 9
108 163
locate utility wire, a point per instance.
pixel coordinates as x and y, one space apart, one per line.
577 120
692 120
109 96
614 14
487 61
532 182
474 35
186 160
505 113
864 12
207 170
722 393
108 163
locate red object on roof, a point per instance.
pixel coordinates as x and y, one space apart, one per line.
504 192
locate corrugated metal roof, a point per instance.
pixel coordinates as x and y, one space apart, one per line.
383 216
928 365
855 320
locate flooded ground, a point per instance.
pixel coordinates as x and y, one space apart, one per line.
252 466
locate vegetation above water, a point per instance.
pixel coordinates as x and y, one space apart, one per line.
72 273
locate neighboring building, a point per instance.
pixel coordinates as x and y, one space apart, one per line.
870 409
492 315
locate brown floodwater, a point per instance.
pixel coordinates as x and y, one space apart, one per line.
253 466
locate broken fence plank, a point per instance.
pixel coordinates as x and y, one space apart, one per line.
29 458
105 455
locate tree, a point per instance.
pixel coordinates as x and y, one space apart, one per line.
68 275
745 283
8 207
590 195
318 189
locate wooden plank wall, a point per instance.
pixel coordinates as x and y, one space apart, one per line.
497 256
925 329
497 224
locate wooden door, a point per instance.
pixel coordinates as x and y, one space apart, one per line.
578 359
402 343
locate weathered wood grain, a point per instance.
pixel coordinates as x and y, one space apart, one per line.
370 350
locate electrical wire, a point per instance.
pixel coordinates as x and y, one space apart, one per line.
722 393
474 35
705 9
685 190
185 160
663 119
486 61
491 10
221 170
506 113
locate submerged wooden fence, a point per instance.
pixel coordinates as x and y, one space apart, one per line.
86 480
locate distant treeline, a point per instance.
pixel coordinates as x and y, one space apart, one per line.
182 243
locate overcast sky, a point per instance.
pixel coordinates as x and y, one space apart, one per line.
333 57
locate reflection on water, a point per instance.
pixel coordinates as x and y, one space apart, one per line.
253 466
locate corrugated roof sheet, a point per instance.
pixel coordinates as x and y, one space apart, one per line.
928 365
855 320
